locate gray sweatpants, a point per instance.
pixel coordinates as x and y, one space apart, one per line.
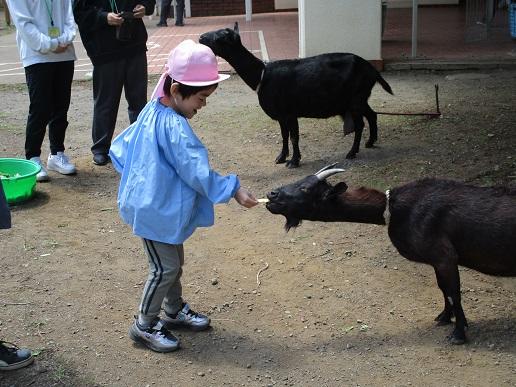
163 287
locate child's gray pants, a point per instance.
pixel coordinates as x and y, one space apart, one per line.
163 286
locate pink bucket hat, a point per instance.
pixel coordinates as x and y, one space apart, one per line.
192 64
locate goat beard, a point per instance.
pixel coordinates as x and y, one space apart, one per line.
291 223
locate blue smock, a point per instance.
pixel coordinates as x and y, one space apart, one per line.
167 187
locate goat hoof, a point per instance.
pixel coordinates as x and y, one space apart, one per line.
351 155
370 145
444 318
458 337
292 164
457 340
281 159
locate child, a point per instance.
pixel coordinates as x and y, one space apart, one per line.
167 189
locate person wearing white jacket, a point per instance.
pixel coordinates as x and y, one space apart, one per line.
45 30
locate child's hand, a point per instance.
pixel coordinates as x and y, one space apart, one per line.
245 198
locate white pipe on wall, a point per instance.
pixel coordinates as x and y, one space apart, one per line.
414 28
248 10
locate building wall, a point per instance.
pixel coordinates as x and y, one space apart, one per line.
340 26
228 7
285 4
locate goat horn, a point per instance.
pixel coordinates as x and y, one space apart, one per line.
325 168
327 173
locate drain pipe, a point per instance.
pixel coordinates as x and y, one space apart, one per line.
414 28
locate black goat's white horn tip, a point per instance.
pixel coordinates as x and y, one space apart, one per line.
325 168
329 172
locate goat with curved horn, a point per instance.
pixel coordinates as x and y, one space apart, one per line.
429 221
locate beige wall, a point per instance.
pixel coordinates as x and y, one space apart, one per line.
285 4
340 26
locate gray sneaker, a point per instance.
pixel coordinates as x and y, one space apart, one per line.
187 318
157 337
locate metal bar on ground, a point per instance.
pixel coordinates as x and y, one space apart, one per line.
437 113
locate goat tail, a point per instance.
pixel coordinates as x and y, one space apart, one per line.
384 84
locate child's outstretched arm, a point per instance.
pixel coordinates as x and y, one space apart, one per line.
245 198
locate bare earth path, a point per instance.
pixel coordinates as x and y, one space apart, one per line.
336 305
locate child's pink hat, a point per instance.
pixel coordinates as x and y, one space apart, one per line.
192 64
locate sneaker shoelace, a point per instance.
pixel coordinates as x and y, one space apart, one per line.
191 313
62 159
164 333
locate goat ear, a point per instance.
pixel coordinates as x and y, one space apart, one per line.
340 188
336 190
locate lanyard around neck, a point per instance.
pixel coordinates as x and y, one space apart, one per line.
49 11
114 7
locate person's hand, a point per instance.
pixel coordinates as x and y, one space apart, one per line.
59 49
113 19
245 198
139 11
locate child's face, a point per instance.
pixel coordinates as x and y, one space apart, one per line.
189 106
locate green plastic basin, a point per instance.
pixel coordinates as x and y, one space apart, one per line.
18 178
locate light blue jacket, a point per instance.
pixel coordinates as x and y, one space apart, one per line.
167 188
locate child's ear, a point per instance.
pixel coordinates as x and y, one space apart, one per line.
174 89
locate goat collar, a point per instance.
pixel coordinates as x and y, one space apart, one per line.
260 83
386 212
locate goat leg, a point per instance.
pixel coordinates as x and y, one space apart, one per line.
448 280
282 157
293 124
371 116
444 318
359 128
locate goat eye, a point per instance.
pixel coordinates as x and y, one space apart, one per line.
303 189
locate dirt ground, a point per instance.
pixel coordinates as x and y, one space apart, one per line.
329 304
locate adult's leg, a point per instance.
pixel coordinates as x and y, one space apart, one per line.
164 280
135 84
108 79
165 11
62 88
39 83
180 11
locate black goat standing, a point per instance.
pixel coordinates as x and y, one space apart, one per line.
442 223
321 86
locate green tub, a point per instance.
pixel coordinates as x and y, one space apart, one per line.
18 177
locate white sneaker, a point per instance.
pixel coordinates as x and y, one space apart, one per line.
60 163
42 174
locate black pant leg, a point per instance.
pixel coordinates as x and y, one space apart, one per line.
39 83
135 85
166 11
108 79
180 11
62 88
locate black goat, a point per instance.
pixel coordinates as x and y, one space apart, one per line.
321 86
443 223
